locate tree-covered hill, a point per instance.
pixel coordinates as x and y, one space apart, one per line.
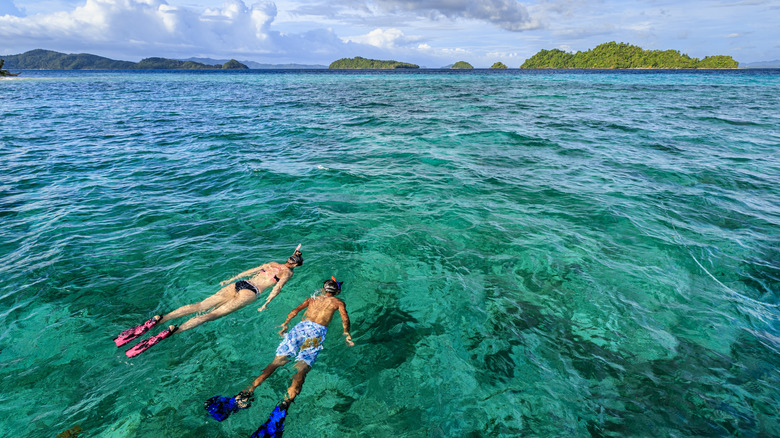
613 55
358 62
173 64
234 65
498 65
462 64
49 60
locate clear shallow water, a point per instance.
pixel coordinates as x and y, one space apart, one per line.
525 253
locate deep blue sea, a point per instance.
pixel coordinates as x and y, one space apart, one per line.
525 253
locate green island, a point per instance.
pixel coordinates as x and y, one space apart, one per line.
358 62
462 64
4 73
613 56
40 59
498 65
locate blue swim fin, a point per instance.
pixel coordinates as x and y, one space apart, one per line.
274 427
220 407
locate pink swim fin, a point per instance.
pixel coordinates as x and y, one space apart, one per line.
132 333
147 343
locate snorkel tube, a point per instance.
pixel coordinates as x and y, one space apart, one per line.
337 282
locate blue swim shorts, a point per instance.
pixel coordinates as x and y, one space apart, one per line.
304 341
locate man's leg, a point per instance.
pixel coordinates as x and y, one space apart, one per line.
244 397
277 362
297 380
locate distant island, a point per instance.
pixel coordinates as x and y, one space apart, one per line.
762 64
358 62
613 55
462 64
4 73
49 60
261 66
498 65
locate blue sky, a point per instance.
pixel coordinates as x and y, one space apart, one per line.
431 33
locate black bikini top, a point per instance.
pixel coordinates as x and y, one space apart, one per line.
276 279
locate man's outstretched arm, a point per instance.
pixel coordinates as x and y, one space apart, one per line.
292 314
345 323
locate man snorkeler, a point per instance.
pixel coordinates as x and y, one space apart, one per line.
303 342
227 300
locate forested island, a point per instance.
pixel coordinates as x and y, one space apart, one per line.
613 55
358 62
462 64
49 60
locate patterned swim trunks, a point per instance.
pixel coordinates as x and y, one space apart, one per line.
304 341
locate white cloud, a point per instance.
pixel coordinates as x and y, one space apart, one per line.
454 51
384 38
506 14
645 26
504 55
581 32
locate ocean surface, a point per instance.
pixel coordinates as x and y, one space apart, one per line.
525 253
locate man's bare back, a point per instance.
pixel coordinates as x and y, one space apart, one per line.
322 308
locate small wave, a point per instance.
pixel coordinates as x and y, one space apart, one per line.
729 121
364 121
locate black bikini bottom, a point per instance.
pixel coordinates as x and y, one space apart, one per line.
243 284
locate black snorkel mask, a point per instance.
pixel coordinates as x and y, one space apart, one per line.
332 286
297 257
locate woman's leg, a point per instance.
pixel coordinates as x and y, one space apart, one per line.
241 299
215 300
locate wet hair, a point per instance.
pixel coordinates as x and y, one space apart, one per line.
297 258
332 286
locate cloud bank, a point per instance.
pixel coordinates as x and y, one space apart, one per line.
506 14
153 27
141 28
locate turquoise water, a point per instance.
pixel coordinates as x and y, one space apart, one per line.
525 253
